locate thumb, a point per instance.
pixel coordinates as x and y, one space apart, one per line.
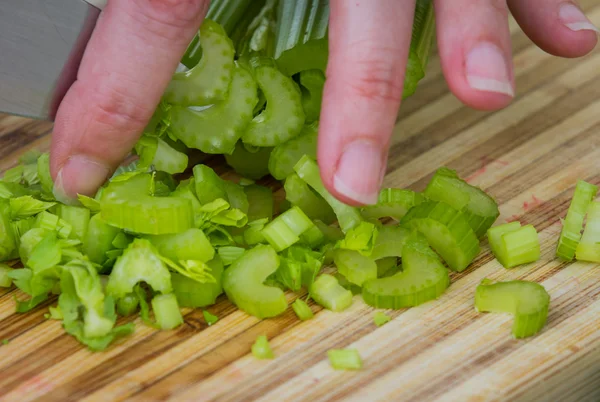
129 60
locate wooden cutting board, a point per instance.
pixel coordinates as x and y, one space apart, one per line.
528 156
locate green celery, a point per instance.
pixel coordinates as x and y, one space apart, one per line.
260 202
361 238
189 245
326 291
332 233
285 156
381 318
208 185
311 84
261 348
387 266
302 310
169 160
286 229
5 279
310 262
289 274
346 284
354 266
26 206
588 248
344 359
127 305
513 244
43 171
7 237
98 239
194 294
236 196
166 311
229 254
250 163
253 234
299 194
393 203
77 217
313 237
422 39
389 243
209 318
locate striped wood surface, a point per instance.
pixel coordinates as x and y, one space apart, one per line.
527 156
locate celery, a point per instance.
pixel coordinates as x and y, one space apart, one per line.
393 203
420 45
98 239
326 291
381 318
261 348
77 217
310 262
260 202
253 234
299 194
7 238
302 310
243 283
43 171
168 159
26 206
208 185
513 244
287 228
573 223
236 196
447 230
361 238
588 248
285 156
389 242
166 311
527 301
5 279
387 266
127 305
209 318
344 359
189 245
346 284
248 162
312 83
229 254
190 293
332 233
354 266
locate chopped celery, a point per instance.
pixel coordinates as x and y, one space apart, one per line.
191 293
310 262
344 359
261 348
5 279
243 283
393 203
236 196
283 117
513 244
77 217
480 210
332 233
260 202
420 45
207 82
527 301
423 278
26 206
289 274
90 203
348 217
354 266
98 239
208 185
285 156
166 311
7 238
229 254
389 242
361 238
381 318
302 310
312 83
286 229
387 266
326 291
299 194
209 318
43 171
167 159
573 223
346 284
588 248
248 162
189 245
127 305
253 234
313 237
447 230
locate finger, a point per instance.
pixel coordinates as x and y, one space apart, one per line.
475 52
558 27
134 50
368 51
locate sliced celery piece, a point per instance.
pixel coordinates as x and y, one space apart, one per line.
261 348
348 217
127 305
302 310
229 254
387 266
326 291
207 82
7 238
346 284
423 278
243 283
393 203
253 164
312 83
209 318
354 266
480 210
167 159
332 233
166 311
361 238
513 244
310 262
285 156
217 129
43 171
236 196
446 230
191 293
253 234
381 318
129 205
299 194
77 217
287 228
98 239
26 206
573 223
189 245
588 248
527 301
420 45
260 202
389 242
5 279
283 117
208 185
344 359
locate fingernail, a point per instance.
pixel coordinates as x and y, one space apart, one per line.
575 19
487 69
360 172
79 175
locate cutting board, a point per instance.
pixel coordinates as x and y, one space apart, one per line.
528 156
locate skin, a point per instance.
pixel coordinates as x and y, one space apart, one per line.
137 44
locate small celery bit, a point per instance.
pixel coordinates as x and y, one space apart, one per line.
299 194
90 203
191 293
361 238
216 130
588 248
326 291
311 85
285 156
128 205
302 310
141 295
209 318
392 203
5 279
289 274
207 82
420 45
480 210
332 234
87 314
219 212
208 185
422 279
390 241
229 254
253 234
243 283
354 266
310 263
527 301
189 245
381 318
7 238
348 217
43 171
248 161
166 311
48 221
140 262
260 200
346 284
344 359
287 228
513 244
77 217
26 206
573 223
5 341
446 230
127 305
156 153
261 348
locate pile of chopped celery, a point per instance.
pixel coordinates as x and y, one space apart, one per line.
161 235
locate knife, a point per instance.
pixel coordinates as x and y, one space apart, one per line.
41 45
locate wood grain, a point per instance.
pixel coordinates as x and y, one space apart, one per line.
528 156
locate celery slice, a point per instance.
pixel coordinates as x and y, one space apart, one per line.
253 164
348 217
287 228
423 278
43 171
191 293
189 245
260 202
573 223
326 291
354 266
5 279
285 156
166 311
217 129
480 210
302 310
420 45
209 318
236 196
527 301
167 159
588 248
299 194
381 318
7 238
243 283
393 203
208 185
361 238
387 266
26 206
389 242
344 359
127 305
77 217
312 83
207 82
229 254
283 117
98 239
513 244
261 348
346 284
447 230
